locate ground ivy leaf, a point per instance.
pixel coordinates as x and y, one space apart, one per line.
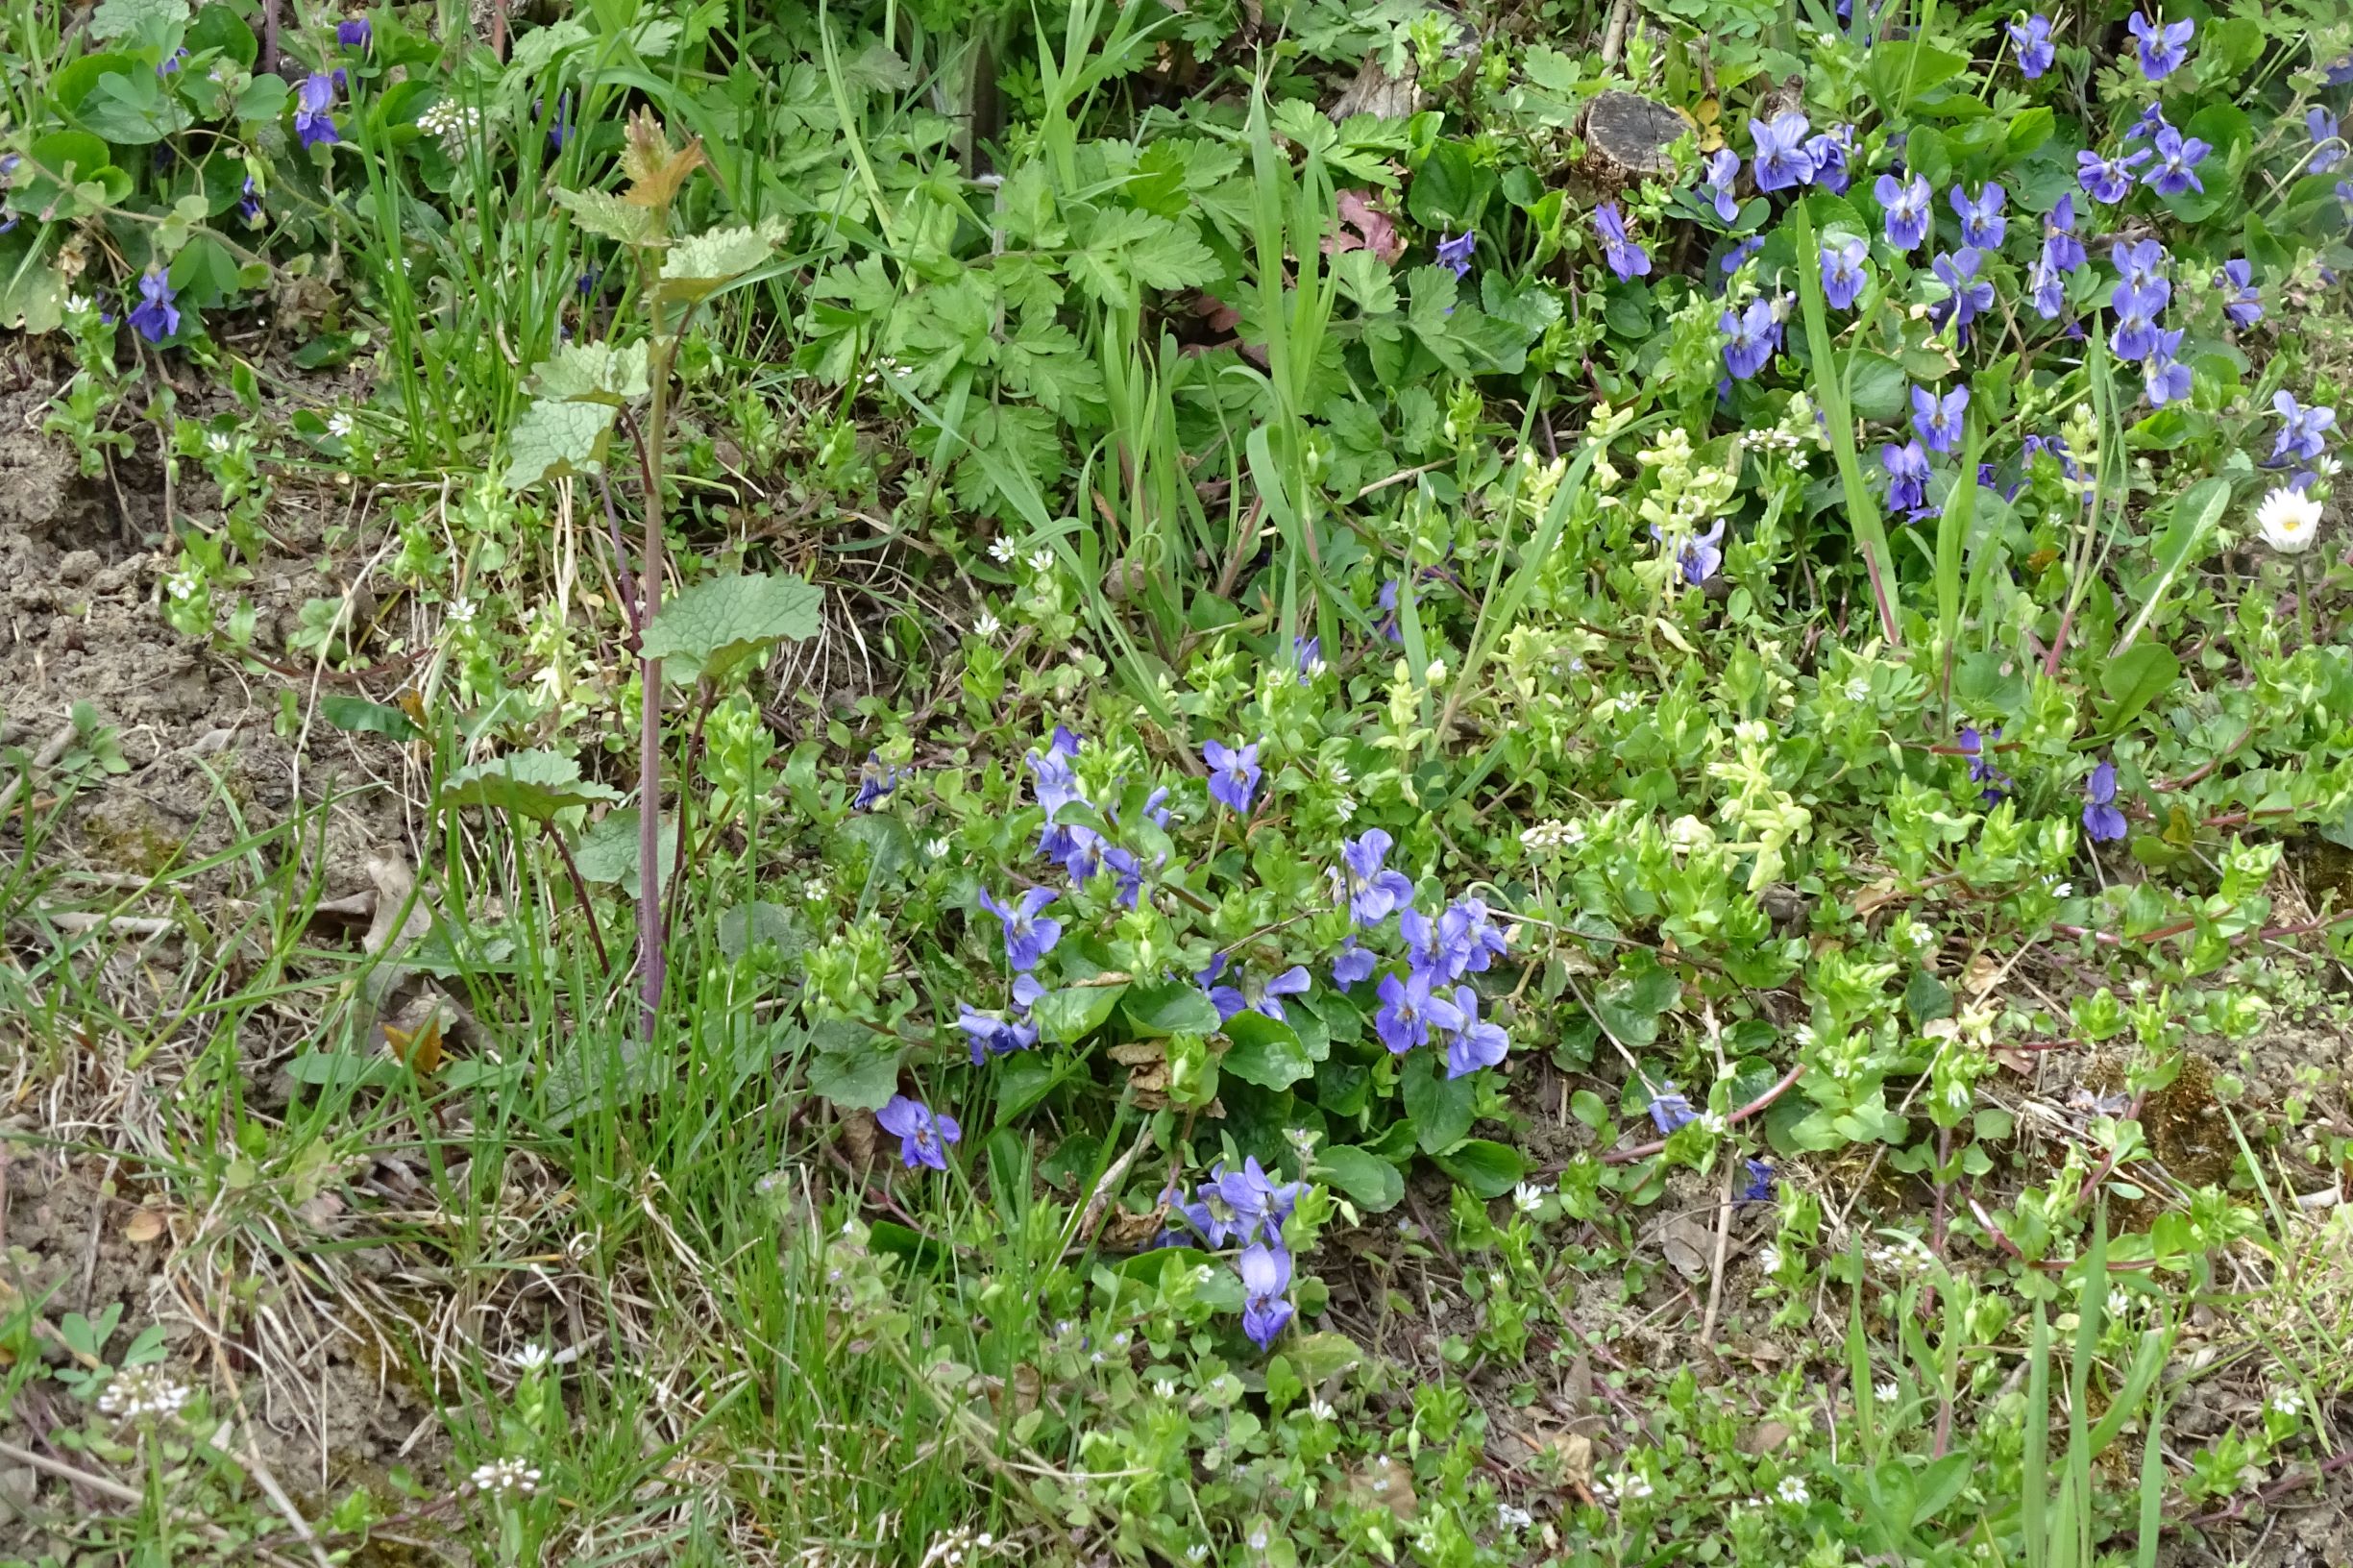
553 439
120 18
715 625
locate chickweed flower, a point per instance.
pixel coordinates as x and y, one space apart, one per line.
506 1477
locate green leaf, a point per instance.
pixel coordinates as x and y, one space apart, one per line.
1070 1015
860 1080
1926 998
2030 130
1176 1007
2182 544
1026 1078
1880 389
120 18
1449 189
607 851
720 622
1630 1002
695 269
1371 1183
1441 1107
535 784
601 212
593 372
746 926
1485 1167
357 714
131 108
556 439
2134 679
1265 1052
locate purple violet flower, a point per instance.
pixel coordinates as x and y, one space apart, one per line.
355 33
1028 936
1996 783
2163 47
2245 306
311 122
1842 270
1234 774
2137 311
1698 556
1353 966
2108 180
1750 338
1670 1111
1829 151
1628 259
1267 1277
1982 224
2167 378
2102 822
153 318
2328 140
1907 209
1907 475
2061 247
1470 1043
1939 419
1723 171
1404 1019
923 1135
2177 161
2301 428
1374 893
1456 253
2031 39
1782 160
1967 295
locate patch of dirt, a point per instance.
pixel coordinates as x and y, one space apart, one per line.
342 1418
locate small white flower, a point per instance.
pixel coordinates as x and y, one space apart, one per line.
2120 1303
1344 807
1339 774
1887 1391
501 1476
938 849
1435 674
1528 1197
2063 890
814 890
531 1358
184 584
144 1393
461 611
1859 690
1257 1539
340 424
1769 1258
75 304
1198 1552
1508 1517
1164 1387
1001 550
1792 1490
987 625
1924 935
2288 1401
1714 1124
1041 560
2290 520
1321 1409
216 440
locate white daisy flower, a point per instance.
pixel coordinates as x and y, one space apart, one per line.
987 625
1792 1490
2290 520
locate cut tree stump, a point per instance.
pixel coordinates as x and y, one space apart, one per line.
1630 134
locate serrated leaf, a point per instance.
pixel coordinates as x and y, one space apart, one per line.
601 212
655 170
554 438
593 372
760 922
718 624
120 18
697 268
535 784
607 851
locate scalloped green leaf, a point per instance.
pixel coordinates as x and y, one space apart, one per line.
555 438
715 624
697 268
601 212
535 784
593 372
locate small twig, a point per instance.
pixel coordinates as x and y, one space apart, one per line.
51 750
1715 1275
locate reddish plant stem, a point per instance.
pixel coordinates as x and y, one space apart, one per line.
1624 1156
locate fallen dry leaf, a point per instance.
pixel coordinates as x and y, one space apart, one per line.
145 1225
